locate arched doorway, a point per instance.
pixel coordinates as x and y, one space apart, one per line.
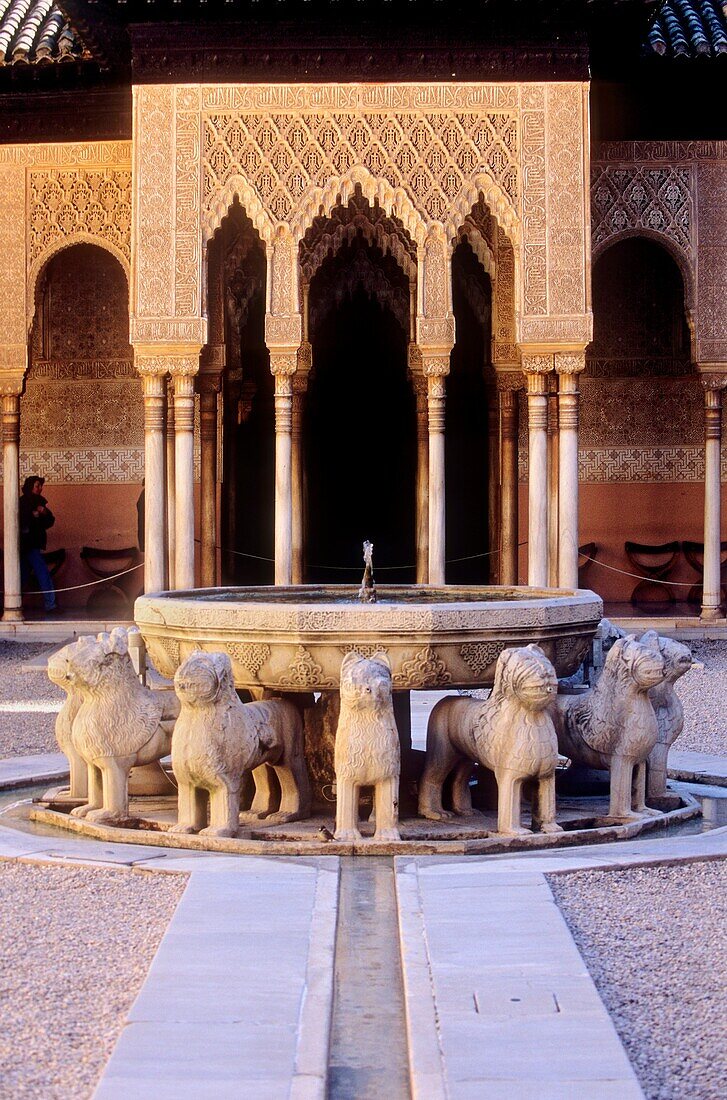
360 418
466 433
237 278
82 425
641 433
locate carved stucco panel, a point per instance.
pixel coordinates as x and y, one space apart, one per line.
154 202
566 165
12 266
711 319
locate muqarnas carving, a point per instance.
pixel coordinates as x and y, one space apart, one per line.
613 725
511 733
367 747
667 708
218 740
119 725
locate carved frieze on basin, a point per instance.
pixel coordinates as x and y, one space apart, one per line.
295 638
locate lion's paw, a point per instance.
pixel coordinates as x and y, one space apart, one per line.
517 830
550 827
182 827
347 836
437 815
387 834
80 811
649 811
218 830
104 817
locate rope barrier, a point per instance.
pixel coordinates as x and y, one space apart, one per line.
75 587
639 577
357 568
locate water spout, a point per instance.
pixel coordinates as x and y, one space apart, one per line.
367 591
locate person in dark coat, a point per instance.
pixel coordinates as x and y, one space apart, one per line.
35 519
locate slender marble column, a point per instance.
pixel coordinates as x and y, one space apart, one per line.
536 368
154 387
170 480
712 586
13 601
435 401
493 562
283 367
184 476
419 383
509 485
553 479
296 472
208 386
569 366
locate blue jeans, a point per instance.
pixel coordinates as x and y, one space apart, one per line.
33 562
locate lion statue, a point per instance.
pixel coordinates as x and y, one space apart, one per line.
511 733
667 708
64 729
218 740
613 725
367 752
119 725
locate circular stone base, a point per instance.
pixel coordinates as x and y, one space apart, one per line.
583 820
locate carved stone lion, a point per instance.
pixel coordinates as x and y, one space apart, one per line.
218 739
614 725
667 708
367 746
511 733
64 727
119 725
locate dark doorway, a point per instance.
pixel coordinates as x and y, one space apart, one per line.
466 432
360 444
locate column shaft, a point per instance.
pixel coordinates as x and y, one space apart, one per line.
171 494
537 479
283 479
492 562
13 601
154 388
208 482
296 473
568 398
184 479
435 399
509 486
422 485
553 481
712 587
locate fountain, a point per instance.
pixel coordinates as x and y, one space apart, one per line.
341 661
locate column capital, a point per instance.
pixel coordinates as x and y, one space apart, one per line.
209 382
304 358
175 359
212 357
570 362
13 359
712 380
509 380
283 362
434 363
535 361
11 385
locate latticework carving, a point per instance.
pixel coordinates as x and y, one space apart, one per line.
251 655
286 153
480 655
655 199
85 203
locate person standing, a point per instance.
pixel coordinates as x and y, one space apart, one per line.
35 519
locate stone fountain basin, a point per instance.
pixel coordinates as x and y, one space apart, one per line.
293 639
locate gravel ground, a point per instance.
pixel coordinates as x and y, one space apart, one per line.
26 731
75 946
654 942
704 696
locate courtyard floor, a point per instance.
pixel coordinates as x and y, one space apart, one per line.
136 972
